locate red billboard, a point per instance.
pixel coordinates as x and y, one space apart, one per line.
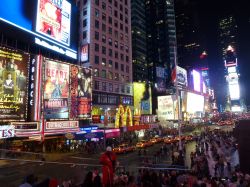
81 93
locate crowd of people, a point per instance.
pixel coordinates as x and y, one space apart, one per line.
212 165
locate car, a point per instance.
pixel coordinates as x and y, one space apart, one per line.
153 140
169 140
119 150
140 145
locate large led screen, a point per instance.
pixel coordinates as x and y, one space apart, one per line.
13 84
234 91
56 90
195 103
197 80
47 23
142 98
53 19
181 76
81 92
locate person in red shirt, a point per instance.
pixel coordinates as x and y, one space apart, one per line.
108 160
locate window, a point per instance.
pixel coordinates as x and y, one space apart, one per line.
97 2
103 6
127 78
121 36
127 59
110 10
103 38
123 89
126 11
128 90
104 61
126 20
126 39
97 47
96 35
110 1
103 27
116 4
116 34
121 47
126 29
116 54
103 75
96 13
116 44
110 41
110 30
122 67
122 57
116 88
103 86
116 65
84 23
110 63
122 78
84 12
110 87
121 17
110 20
126 49
96 72
84 35
110 52
126 2
121 7
116 13
103 50
97 85
97 24
104 17
116 77
110 75
121 26
116 23
96 59
127 69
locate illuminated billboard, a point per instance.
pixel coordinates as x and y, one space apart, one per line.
167 108
56 90
13 84
142 98
195 103
196 80
160 82
234 91
47 23
84 53
181 76
81 91
53 20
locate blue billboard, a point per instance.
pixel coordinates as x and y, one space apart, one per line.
49 23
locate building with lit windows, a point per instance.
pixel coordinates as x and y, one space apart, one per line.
105 46
139 50
161 45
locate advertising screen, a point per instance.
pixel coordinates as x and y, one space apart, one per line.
56 90
142 98
81 90
53 20
13 84
48 23
181 76
161 74
195 103
197 80
85 53
234 91
167 108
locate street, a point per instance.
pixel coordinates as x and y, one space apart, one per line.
75 166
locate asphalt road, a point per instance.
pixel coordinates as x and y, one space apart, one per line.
71 166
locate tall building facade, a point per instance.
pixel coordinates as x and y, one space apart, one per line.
161 37
105 46
139 50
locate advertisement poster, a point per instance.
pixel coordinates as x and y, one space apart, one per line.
85 53
13 84
142 98
81 91
197 106
53 20
167 108
56 90
161 75
181 76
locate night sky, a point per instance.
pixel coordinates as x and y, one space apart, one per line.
209 12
